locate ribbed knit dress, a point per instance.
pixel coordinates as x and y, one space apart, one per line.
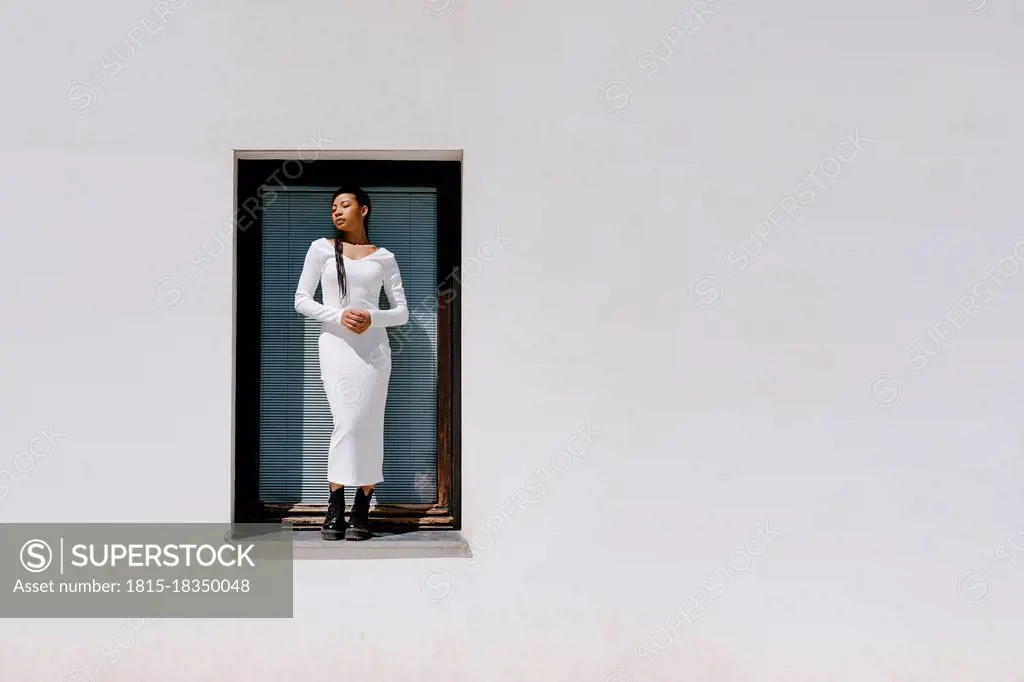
355 368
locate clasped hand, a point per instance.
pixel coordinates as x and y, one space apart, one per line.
356 320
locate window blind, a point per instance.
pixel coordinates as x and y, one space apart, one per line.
295 418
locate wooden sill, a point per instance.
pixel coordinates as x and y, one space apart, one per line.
385 518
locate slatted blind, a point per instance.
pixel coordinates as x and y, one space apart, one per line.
295 418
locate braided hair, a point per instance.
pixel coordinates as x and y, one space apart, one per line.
362 199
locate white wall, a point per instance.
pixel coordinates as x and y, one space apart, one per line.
721 405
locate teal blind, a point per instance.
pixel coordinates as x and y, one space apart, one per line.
295 419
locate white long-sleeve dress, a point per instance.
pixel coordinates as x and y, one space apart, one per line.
355 368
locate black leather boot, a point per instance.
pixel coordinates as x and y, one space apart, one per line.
334 522
358 527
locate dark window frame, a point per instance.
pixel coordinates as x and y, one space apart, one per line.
250 174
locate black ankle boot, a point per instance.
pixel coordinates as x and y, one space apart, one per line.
334 522
358 527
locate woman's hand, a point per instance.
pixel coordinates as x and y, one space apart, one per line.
357 321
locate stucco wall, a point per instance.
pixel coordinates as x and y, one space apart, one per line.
761 426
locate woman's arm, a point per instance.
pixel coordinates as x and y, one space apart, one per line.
398 314
309 280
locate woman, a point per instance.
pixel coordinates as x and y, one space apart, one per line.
355 356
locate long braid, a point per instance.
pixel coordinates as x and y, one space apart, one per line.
362 199
340 260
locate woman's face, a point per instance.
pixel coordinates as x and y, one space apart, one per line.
346 212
